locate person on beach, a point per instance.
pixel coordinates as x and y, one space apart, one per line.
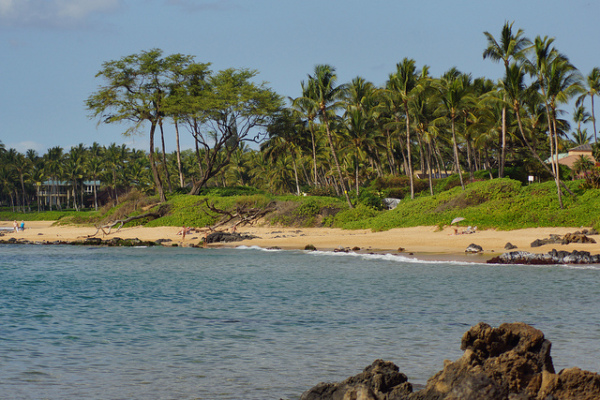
15 226
183 230
22 226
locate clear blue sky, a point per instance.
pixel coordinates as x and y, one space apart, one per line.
50 50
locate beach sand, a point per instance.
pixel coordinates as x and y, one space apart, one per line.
421 242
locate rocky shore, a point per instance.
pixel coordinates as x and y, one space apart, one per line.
510 362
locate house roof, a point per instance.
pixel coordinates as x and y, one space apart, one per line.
583 147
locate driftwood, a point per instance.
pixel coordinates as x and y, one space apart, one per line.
122 222
243 214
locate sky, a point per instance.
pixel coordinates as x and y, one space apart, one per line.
51 50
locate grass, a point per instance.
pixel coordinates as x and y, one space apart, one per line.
503 204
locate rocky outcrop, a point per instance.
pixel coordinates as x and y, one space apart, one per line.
378 381
93 241
511 362
553 257
227 237
568 238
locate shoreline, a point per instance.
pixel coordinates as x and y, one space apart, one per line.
424 243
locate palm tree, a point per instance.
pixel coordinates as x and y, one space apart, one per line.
592 89
286 137
359 99
323 91
582 164
517 91
307 108
581 116
454 97
114 163
403 83
53 165
581 137
511 46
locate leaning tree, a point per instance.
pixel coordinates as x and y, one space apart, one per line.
135 90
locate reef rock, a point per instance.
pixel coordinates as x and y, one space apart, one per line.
511 362
227 237
553 257
378 381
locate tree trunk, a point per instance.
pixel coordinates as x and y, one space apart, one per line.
455 150
503 145
335 159
180 170
164 157
535 154
157 181
296 176
314 151
409 156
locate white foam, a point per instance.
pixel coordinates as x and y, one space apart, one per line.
389 257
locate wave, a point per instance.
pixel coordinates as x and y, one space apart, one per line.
391 257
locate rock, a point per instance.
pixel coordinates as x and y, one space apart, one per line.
511 362
390 203
378 381
310 247
509 246
474 248
341 250
93 241
553 257
227 237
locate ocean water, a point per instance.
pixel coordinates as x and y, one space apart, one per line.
246 323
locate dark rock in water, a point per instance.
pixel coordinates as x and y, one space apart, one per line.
227 237
509 362
379 380
310 247
474 248
341 250
509 246
553 257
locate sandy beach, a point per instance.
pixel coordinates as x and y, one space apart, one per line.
423 242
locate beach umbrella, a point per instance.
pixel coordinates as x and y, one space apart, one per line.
455 220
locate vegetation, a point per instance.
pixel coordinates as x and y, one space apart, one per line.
426 140
502 204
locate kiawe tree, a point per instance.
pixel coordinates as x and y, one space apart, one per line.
225 113
135 90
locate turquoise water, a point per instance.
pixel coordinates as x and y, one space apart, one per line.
168 323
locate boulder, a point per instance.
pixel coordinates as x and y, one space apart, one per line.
378 381
474 248
510 362
227 237
509 246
